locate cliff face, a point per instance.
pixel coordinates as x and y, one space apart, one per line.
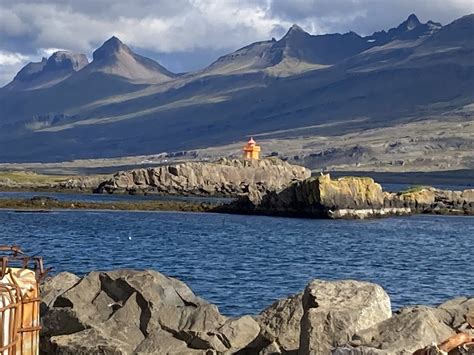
223 177
352 197
323 197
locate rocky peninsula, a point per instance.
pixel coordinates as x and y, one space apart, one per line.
351 197
145 312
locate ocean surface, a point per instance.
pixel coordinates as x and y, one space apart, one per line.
244 263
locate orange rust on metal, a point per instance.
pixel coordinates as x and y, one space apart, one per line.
25 273
456 341
10 302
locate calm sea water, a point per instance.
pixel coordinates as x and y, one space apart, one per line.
244 263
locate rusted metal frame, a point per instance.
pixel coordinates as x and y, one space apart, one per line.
24 262
23 331
14 317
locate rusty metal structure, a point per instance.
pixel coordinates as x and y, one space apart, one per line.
10 305
20 276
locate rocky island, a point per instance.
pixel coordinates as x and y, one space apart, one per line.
351 197
269 187
223 177
145 312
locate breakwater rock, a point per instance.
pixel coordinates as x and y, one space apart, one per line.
144 312
350 197
225 177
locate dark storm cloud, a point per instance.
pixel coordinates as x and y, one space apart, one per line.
366 16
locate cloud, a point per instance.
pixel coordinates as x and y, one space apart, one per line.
10 63
366 16
7 58
175 28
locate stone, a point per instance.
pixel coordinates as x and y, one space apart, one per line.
359 350
57 286
280 324
333 311
410 329
240 332
162 342
271 349
457 313
128 311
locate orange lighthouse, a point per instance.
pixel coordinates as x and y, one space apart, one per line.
252 150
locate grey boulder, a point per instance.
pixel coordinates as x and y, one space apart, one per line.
335 311
127 312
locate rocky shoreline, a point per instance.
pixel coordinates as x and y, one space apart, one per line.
351 197
146 312
44 203
262 187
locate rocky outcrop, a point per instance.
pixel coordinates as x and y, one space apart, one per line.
414 328
431 200
145 312
142 312
223 177
351 197
335 311
280 325
322 197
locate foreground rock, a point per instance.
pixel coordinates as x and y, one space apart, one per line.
145 312
351 197
413 328
280 325
335 311
223 177
140 312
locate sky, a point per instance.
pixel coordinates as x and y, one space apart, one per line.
186 35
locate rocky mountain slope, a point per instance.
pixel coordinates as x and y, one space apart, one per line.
60 66
301 88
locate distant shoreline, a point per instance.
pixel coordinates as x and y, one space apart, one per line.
463 177
45 204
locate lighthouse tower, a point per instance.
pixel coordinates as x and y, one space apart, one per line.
251 150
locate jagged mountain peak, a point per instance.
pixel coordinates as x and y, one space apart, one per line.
66 60
116 58
110 48
295 31
48 72
296 28
411 22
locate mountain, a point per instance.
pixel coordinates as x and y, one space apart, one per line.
115 58
114 70
48 72
295 47
410 29
298 50
334 89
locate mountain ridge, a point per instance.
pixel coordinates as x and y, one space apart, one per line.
39 75
410 77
